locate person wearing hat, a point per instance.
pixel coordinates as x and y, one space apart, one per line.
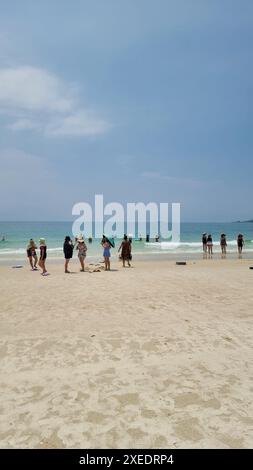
223 244
43 256
82 249
204 242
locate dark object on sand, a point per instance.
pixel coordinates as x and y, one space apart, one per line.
17 266
181 263
250 267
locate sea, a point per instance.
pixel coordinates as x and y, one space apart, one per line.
14 237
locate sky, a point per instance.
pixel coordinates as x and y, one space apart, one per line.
138 100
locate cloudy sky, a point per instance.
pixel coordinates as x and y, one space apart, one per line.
139 100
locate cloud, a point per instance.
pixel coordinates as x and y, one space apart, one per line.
24 124
78 124
33 98
30 88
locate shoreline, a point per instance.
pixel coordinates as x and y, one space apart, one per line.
152 257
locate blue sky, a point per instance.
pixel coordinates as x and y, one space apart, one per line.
139 100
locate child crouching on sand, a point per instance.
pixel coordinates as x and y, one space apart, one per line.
43 256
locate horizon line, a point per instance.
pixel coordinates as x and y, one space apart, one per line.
93 221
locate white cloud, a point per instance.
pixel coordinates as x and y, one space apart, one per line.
37 99
31 88
78 124
23 124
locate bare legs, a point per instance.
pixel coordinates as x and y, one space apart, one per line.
107 263
35 262
66 266
33 266
223 251
128 262
42 265
81 259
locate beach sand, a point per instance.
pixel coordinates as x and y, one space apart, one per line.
156 356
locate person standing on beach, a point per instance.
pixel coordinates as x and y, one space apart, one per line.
240 243
223 244
31 254
126 249
209 244
107 246
43 257
204 242
68 248
82 250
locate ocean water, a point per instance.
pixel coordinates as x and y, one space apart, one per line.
17 235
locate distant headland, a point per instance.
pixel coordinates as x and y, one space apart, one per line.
244 221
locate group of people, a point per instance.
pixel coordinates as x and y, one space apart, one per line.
125 250
33 258
81 247
79 244
207 242
157 238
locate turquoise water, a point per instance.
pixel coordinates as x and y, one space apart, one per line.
17 235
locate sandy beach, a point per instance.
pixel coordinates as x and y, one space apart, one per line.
156 356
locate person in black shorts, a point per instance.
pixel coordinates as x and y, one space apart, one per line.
31 254
43 256
68 251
